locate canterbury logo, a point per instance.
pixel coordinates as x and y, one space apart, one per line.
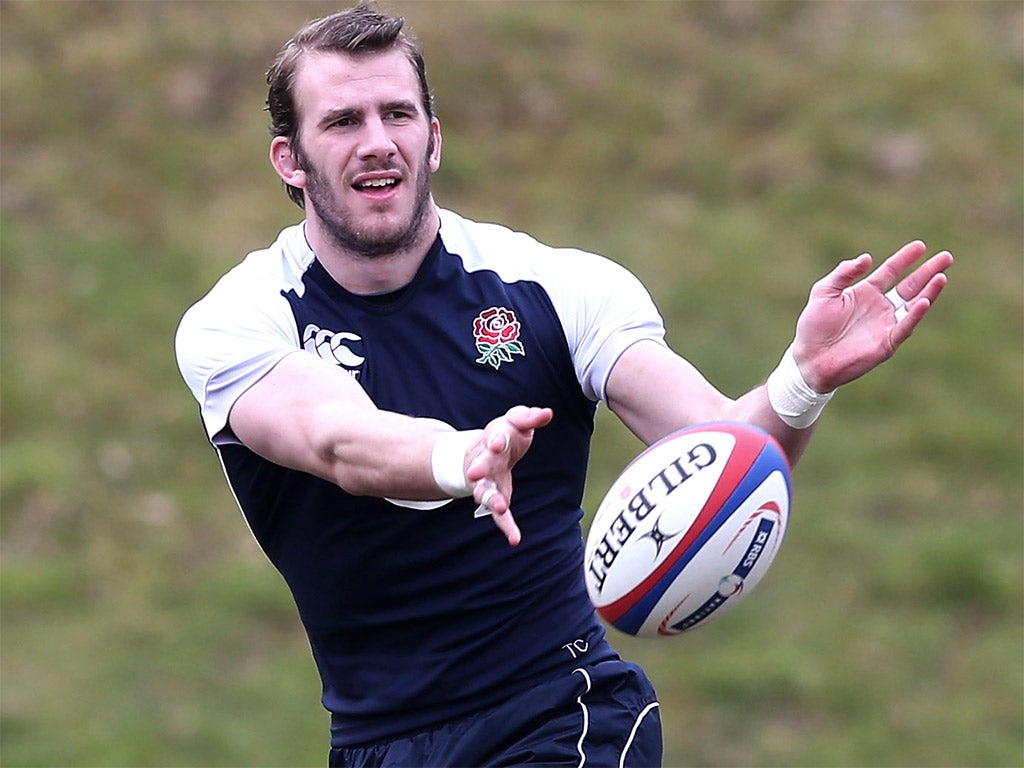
331 346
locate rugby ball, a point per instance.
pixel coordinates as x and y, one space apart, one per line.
688 529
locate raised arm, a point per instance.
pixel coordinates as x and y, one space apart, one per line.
309 415
853 321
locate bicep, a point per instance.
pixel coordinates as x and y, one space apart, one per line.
654 392
288 415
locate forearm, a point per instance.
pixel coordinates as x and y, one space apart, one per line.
313 417
381 453
655 392
755 408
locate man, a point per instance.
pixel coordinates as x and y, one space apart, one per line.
389 381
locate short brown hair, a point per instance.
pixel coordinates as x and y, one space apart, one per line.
359 30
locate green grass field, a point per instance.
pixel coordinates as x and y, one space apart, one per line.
728 152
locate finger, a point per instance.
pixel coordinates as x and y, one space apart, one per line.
925 282
526 418
918 282
507 525
499 442
489 494
916 310
843 276
486 462
489 498
937 282
494 504
889 271
904 327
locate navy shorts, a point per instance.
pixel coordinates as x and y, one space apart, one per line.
600 715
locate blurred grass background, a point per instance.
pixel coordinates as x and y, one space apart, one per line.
728 152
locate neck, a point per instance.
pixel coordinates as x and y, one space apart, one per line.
362 274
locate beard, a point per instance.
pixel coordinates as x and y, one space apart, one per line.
340 225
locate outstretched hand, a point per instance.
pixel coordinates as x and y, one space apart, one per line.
504 442
852 323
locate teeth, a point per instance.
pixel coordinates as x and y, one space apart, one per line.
378 183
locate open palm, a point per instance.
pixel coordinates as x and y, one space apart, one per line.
850 325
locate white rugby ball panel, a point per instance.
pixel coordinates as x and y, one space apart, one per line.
632 533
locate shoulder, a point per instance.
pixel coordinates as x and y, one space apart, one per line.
255 283
519 256
581 284
245 313
279 266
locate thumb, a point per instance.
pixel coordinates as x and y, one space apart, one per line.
845 274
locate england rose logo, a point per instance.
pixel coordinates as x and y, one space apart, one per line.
497 336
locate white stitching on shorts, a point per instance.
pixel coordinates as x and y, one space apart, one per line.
586 717
636 727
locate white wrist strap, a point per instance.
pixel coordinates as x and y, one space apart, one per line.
791 396
448 462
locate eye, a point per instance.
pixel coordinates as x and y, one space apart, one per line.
341 118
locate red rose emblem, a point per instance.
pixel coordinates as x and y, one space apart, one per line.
496 331
496 325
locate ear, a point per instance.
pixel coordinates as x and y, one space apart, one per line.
435 155
285 162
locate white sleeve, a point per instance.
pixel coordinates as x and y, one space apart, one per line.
227 342
604 312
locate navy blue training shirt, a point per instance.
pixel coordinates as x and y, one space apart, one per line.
419 612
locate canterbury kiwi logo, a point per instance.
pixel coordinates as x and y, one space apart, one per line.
333 346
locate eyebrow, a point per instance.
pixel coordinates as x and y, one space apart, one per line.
333 115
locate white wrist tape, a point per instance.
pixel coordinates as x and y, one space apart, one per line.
899 304
791 396
448 462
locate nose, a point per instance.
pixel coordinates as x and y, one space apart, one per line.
375 140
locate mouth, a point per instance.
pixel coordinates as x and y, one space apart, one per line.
376 184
